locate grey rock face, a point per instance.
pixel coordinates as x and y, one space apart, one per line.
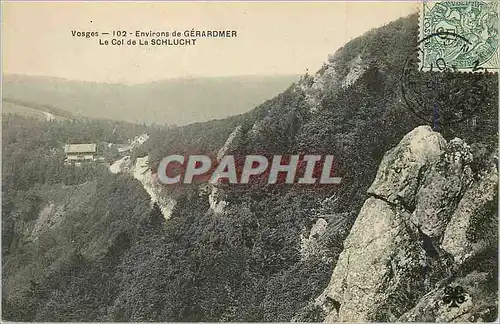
413 232
216 197
372 264
232 143
310 245
432 308
475 207
441 189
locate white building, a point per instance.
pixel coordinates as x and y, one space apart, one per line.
80 152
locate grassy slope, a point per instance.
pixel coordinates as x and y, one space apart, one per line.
11 108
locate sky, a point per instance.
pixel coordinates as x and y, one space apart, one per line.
272 37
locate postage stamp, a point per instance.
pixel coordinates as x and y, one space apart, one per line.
461 35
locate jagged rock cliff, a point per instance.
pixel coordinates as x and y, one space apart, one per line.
141 171
431 209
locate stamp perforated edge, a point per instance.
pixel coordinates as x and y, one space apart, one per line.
420 51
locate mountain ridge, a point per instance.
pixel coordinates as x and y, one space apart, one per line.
193 77
176 101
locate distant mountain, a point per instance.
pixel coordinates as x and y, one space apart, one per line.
172 101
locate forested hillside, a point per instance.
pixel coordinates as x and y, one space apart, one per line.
105 255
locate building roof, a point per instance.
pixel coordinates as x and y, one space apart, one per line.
80 148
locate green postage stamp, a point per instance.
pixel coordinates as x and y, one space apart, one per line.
459 36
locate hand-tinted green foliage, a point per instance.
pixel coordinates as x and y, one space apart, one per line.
34 150
59 220
59 267
202 267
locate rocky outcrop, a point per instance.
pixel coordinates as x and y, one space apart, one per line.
441 188
121 165
379 258
141 171
48 217
474 308
216 197
329 77
476 205
402 167
432 207
232 142
356 68
138 140
310 245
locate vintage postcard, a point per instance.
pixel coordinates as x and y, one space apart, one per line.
170 161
